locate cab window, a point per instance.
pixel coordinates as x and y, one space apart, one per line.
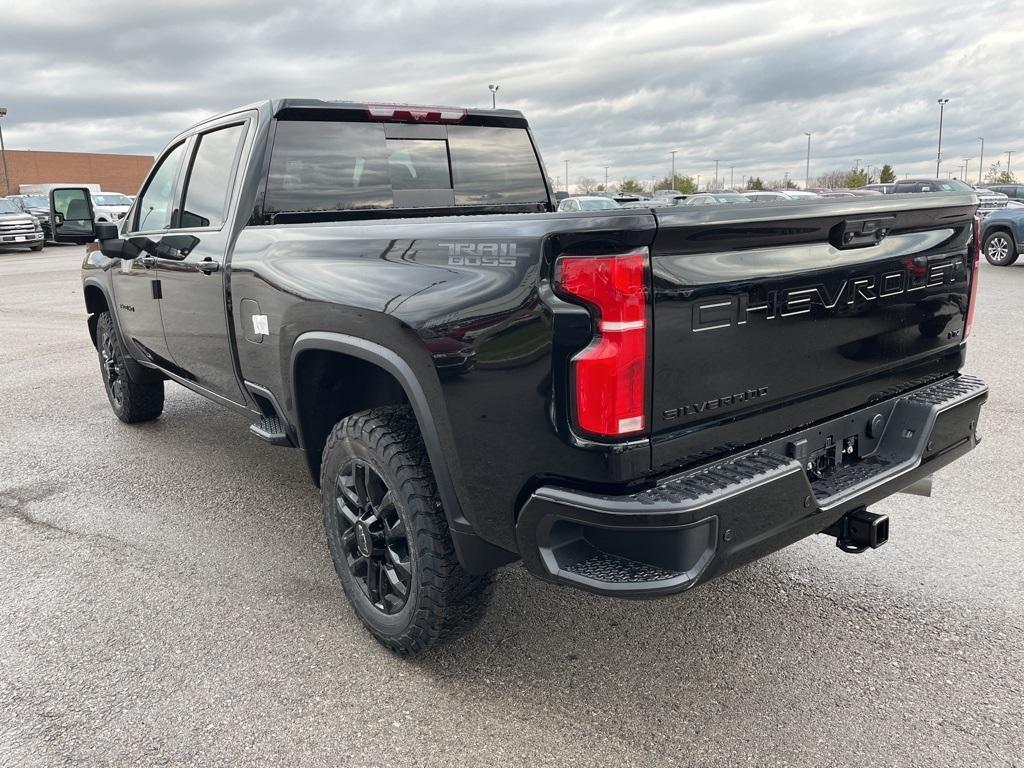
156 203
209 180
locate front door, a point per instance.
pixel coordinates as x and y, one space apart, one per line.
194 306
136 281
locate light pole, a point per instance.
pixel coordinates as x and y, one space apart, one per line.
567 177
967 163
672 178
1008 154
716 175
856 165
3 154
606 177
732 176
494 95
981 158
807 168
938 156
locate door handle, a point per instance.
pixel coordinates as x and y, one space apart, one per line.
208 266
147 261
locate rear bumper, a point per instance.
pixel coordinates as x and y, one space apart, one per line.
696 525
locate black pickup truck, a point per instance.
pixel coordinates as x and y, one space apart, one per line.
631 402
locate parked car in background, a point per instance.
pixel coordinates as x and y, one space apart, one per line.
35 205
18 228
763 195
1002 236
798 194
716 198
928 185
886 189
1015 192
990 200
588 203
110 206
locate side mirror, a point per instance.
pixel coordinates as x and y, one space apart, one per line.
71 217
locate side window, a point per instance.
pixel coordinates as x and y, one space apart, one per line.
154 207
209 179
326 166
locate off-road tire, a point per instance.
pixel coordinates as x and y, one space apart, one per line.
1000 249
132 400
443 600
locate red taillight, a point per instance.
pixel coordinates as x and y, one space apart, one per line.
973 294
410 113
610 375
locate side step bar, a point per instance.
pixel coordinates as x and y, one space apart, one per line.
271 429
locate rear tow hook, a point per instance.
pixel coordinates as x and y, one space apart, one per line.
860 530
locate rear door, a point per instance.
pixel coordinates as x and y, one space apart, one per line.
769 317
194 302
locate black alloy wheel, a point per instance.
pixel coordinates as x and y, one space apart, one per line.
373 536
112 368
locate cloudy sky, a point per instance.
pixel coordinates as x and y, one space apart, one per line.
603 83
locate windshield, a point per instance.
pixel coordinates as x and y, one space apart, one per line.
35 201
598 205
731 199
108 199
6 206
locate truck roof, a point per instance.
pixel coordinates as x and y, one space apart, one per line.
299 108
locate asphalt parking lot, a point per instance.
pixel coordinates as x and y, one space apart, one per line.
168 599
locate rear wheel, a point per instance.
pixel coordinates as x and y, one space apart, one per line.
389 536
1000 250
132 401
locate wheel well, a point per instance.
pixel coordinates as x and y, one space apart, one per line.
997 229
95 305
330 386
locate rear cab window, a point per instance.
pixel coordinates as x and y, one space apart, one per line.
319 167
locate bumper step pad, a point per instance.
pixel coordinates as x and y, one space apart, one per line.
612 569
705 521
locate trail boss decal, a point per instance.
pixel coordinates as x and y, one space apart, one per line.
481 254
725 311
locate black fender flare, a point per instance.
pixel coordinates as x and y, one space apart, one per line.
93 317
475 554
137 370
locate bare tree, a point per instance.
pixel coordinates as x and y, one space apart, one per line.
586 185
996 175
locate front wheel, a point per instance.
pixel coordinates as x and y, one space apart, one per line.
389 536
132 401
1000 250
38 247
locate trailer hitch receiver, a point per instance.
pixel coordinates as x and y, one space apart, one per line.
860 530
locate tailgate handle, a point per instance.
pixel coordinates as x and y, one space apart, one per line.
861 233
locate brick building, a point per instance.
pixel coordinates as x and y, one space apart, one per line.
114 173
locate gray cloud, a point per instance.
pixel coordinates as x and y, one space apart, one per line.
616 83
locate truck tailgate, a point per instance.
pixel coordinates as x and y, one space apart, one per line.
772 316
